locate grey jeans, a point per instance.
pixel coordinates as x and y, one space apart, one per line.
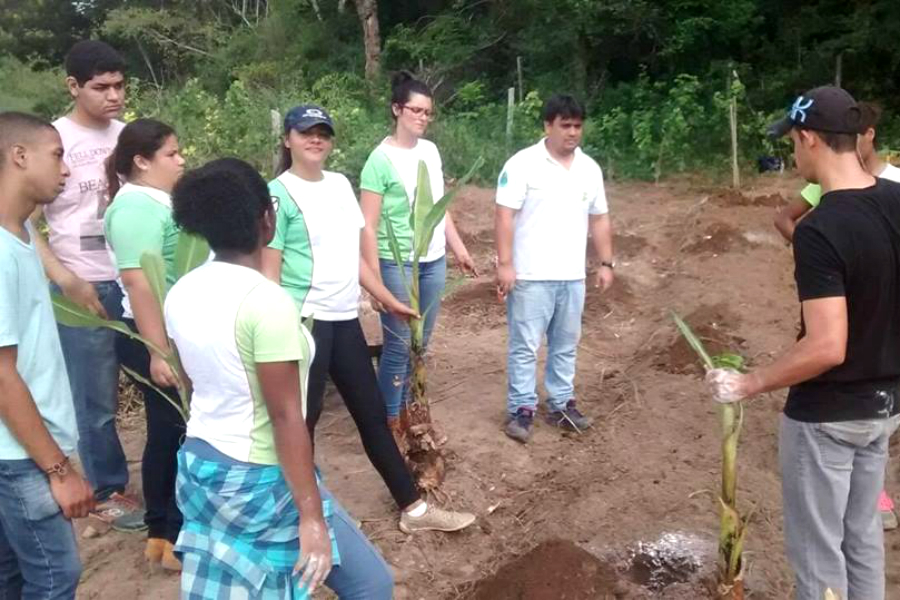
832 474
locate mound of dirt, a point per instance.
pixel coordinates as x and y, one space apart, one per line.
477 303
718 238
553 570
620 294
712 325
628 245
736 198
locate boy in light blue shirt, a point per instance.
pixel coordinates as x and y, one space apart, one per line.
40 491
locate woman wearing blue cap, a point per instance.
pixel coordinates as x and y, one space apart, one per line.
388 182
315 256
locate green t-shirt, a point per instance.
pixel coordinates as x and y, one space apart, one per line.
140 220
292 239
392 173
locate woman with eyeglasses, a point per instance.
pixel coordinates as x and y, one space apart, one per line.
387 191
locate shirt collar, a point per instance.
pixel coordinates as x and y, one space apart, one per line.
545 154
154 193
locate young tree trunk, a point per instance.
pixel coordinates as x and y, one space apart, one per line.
368 18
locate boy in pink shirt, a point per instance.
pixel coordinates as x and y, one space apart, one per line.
78 263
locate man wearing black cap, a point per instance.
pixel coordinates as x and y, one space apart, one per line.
844 371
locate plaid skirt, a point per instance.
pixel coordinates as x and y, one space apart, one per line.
240 538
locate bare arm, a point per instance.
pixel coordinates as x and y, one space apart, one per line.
73 287
786 217
149 320
280 386
271 264
458 247
370 203
20 414
822 348
602 240
373 284
504 220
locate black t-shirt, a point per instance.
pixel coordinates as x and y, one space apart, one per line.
850 246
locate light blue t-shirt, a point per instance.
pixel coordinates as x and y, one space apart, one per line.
27 321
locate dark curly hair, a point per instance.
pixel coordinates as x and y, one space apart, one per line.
223 202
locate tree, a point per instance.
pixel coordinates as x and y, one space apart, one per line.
368 18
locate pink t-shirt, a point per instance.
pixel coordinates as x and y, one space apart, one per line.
75 218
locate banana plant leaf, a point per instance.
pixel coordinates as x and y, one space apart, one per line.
191 252
422 206
179 406
154 268
398 258
439 209
70 314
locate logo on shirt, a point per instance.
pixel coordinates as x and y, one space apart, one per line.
274 202
504 179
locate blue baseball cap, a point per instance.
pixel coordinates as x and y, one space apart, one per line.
306 116
828 108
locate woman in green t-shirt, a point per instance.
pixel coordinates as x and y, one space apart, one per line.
139 220
387 191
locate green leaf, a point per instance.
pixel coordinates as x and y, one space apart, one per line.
693 341
191 252
179 406
437 212
70 314
728 360
154 268
398 258
422 205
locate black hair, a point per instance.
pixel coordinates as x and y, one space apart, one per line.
89 58
564 106
838 142
141 137
18 128
871 115
222 201
404 85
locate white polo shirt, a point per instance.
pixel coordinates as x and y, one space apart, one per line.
553 204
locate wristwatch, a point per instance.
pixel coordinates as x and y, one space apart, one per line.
611 264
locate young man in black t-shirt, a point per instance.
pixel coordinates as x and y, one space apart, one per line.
844 370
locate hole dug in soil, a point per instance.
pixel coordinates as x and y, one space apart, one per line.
712 324
718 238
559 570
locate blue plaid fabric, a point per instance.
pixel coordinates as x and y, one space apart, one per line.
240 538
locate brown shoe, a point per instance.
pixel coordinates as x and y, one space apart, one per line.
169 561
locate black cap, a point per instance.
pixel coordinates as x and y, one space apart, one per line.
828 108
306 116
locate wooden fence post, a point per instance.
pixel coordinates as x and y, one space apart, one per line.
510 111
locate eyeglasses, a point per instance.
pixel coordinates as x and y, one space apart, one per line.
418 111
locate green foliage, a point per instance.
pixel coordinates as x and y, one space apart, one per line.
25 89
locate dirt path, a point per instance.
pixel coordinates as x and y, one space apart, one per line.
628 506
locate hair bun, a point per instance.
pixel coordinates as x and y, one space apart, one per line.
401 77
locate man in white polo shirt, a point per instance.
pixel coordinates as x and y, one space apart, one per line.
550 196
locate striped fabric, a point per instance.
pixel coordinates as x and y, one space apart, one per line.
240 538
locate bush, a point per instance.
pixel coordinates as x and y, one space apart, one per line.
29 90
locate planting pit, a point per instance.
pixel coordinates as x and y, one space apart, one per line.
718 238
553 570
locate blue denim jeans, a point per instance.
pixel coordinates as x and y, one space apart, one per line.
90 354
362 574
535 309
393 368
38 553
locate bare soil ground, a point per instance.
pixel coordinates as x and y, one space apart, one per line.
627 509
